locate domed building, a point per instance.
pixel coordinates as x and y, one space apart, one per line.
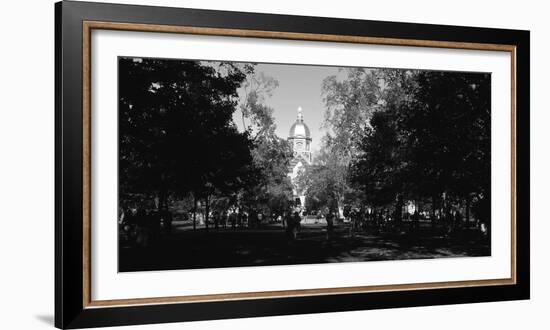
300 140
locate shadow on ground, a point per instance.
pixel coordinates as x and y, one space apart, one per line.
46 318
271 246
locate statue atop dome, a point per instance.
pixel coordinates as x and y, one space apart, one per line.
300 115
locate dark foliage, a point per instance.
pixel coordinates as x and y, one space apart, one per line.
176 128
432 144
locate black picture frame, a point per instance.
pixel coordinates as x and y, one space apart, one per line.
71 310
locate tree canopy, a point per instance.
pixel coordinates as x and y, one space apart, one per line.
176 128
431 143
408 134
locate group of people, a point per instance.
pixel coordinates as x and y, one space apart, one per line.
449 222
235 219
292 223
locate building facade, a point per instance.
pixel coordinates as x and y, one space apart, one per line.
300 139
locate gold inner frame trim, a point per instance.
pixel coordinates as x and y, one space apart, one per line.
88 26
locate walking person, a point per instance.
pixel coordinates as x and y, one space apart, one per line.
292 225
296 219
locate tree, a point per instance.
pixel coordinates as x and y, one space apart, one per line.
175 126
449 138
429 139
270 189
324 181
255 89
378 170
351 104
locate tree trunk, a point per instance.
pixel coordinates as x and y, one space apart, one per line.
206 211
194 212
398 211
432 216
244 125
163 203
468 211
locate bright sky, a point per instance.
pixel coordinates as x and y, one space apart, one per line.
299 86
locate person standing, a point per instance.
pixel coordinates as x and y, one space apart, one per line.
416 221
296 219
224 219
292 224
233 220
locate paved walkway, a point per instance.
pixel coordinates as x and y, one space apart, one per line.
186 249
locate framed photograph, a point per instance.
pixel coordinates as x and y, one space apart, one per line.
218 164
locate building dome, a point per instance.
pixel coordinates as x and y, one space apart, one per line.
299 128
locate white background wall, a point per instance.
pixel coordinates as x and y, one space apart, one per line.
27 169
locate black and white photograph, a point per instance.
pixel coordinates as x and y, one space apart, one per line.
229 164
274 165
